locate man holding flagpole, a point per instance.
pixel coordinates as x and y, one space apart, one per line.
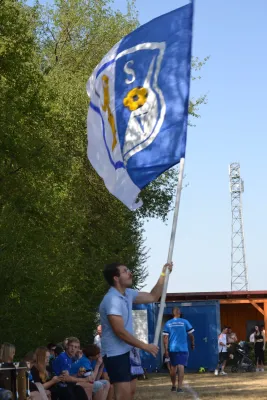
117 328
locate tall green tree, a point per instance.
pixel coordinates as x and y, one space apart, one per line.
58 223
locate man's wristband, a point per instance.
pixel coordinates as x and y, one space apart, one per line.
163 274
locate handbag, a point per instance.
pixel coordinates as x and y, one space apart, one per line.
42 394
135 362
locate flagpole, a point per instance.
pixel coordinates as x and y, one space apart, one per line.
172 241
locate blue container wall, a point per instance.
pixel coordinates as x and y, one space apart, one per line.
204 317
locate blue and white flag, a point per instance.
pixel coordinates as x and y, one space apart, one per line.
138 112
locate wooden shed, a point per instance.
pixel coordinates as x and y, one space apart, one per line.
239 310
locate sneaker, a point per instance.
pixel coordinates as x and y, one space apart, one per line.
262 370
173 389
180 390
216 372
223 373
257 370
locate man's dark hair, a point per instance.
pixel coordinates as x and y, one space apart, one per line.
110 271
91 350
50 346
58 350
29 356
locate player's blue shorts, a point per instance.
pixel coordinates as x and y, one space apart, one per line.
179 358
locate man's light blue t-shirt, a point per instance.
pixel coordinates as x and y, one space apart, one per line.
177 329
114 303
83 362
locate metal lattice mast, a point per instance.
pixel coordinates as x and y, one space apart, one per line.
239 278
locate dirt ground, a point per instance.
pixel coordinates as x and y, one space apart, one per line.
245 386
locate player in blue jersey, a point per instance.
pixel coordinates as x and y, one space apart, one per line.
175 333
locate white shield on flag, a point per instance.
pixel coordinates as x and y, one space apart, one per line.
145 122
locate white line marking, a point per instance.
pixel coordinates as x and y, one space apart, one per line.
191 390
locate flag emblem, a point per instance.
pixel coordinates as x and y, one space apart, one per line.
137 118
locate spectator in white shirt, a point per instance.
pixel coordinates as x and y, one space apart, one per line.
252 337
223 352
97 339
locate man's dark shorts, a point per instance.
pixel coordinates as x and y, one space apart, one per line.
223 356
179 358
119 368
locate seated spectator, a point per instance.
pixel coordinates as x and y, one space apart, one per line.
51 348
80 387
91 363
97 342
7 353
65 359
58 350
65 343
28 359
7 376
40 377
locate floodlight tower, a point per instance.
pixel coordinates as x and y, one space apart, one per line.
239 278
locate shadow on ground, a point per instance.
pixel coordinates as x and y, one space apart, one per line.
206 387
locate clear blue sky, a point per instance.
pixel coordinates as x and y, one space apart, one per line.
232 128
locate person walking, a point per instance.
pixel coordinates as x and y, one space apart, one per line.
223 352
117 339
175 334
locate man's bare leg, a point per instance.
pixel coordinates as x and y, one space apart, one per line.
106 389
123 391
133 387
223 365
100 395
111 393
111 388
173 370
180 376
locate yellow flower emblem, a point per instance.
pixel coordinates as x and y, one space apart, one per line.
136 98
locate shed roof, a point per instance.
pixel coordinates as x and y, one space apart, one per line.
258 294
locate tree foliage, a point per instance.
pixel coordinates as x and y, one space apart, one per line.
58 223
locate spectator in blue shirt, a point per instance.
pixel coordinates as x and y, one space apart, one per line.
62 367
91 363
175 334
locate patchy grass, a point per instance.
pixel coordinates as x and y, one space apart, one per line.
245 386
